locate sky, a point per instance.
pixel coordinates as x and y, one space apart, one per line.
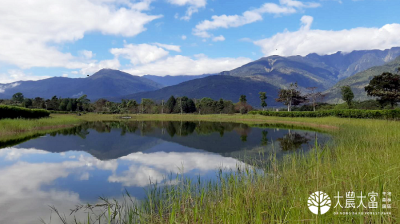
75 38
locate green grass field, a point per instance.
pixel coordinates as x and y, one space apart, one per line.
364 156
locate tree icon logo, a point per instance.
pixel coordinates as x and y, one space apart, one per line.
319 203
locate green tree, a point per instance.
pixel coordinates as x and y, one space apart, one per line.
18 97
27 103
38 103
53 103
170 104
146 105
386 87
242 99
69 105
221 105
83 103
63 105
191 106
347 95
263 97
291 96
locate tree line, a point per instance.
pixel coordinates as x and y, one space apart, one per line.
173 105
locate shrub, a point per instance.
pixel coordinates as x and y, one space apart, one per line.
20 112
368 114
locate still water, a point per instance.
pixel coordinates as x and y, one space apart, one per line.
77 165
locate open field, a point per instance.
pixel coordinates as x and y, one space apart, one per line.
364 156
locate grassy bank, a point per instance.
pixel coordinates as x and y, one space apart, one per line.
364 157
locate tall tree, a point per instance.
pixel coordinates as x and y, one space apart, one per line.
27 103
221 105
291 96
170 104
18 98
146 105
191 106
242 99
69 106
314 96
263 97
386 87
347 95
38 103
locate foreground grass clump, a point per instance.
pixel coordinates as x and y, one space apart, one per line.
20 112
364 156
13 131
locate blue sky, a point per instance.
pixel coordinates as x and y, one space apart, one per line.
75 38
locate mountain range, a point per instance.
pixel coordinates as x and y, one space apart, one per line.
169 80
102 84
268 74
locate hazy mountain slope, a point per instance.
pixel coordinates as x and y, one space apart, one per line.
169 80
321 71
104 83
215 87
280 71
347 64
358 81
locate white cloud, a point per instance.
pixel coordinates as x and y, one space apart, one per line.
9 86
140 53
194 6
18 75
34 28
184 37
169 47
183 65
156 166
96 66
307 40
219 38
251 16
64 75
86 54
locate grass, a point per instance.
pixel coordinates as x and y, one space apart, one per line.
364 157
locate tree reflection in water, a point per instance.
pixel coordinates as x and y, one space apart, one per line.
293 141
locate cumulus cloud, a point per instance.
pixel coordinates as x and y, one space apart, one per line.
251 16
17 75
219 38
169 47
156 166
194 6
86 54
34 28
140 53
184 65
307 40
93 67
184 37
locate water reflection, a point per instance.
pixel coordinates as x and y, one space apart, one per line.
77 165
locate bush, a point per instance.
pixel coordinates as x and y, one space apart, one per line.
368 114
20 112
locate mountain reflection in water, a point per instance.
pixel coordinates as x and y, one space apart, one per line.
79 164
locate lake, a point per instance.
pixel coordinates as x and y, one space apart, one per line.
79 164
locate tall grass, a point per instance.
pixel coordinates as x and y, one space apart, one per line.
364 156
